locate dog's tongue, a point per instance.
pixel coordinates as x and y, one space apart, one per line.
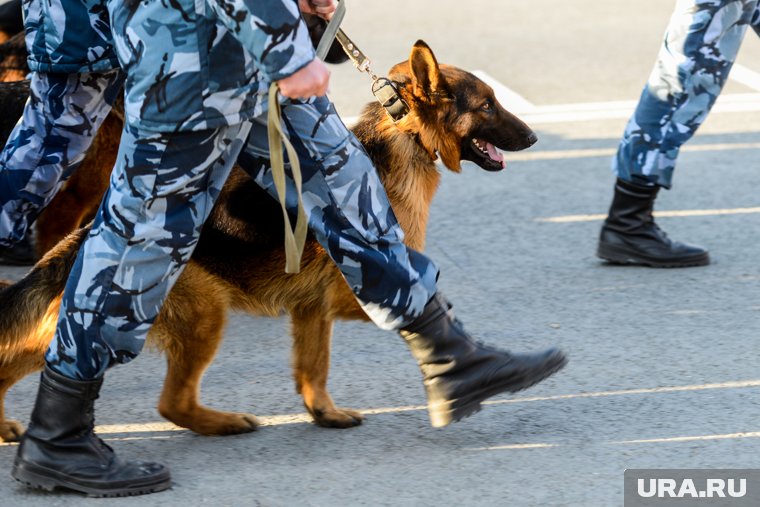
495 154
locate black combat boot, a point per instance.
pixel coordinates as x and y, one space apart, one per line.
60 449
459 372
20 254
630 236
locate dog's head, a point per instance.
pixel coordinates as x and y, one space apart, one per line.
455 114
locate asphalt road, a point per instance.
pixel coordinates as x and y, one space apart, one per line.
664 367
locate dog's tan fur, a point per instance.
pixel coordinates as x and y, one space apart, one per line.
444 109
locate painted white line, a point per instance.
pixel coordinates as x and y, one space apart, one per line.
269 420
568 113
745 76
509 98
589 111
275 420
727 436
513 446
537 155
161 430
667 440
660 214
627 392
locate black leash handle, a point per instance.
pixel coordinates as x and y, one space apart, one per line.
331 30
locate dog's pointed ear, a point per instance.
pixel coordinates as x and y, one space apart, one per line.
426 76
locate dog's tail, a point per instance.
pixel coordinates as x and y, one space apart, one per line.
29 307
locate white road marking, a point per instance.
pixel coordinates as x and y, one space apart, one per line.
513 446
508 98
627 392
160 429
745 76
660 214
538 155
727 436
569 113
618 109
667 440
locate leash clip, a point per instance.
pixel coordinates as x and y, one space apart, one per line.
357 56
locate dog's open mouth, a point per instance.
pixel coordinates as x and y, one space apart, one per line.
492 157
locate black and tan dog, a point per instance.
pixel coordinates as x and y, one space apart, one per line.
238 264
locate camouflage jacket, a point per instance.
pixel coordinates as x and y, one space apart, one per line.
68 36
200 64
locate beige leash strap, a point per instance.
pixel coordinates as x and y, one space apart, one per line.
294 238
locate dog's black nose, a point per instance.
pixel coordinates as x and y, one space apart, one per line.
532 138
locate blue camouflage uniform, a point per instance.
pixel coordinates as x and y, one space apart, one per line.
700 46
74 81
198 73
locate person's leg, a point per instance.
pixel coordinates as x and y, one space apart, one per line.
351 217
348 212
699 48
162 190
60 120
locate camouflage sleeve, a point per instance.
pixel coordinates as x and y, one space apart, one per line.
272 30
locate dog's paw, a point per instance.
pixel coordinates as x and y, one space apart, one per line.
336 417
229 424
238 423
213 422
10 431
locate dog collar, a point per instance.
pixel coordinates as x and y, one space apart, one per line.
382 88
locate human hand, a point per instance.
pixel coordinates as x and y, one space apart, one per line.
322 8
310 81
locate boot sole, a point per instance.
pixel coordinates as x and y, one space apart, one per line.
443 414
619 255
46 479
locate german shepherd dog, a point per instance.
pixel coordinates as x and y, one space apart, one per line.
239 261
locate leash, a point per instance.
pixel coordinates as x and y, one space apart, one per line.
295 238
383 90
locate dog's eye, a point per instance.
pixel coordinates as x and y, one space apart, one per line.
487 106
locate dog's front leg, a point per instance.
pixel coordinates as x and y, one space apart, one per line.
311 364
189 329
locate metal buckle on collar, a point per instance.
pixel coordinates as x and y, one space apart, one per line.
386 93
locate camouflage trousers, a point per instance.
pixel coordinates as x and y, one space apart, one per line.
60 120
160 195
700 46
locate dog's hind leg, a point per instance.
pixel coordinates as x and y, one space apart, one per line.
21 357
311 364
14 369
10 430
190 329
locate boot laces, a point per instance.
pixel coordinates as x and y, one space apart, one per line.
91 430
478 343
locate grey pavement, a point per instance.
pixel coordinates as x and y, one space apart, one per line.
664 369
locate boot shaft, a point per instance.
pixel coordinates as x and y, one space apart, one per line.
436 338
631 236
64 407
632 206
